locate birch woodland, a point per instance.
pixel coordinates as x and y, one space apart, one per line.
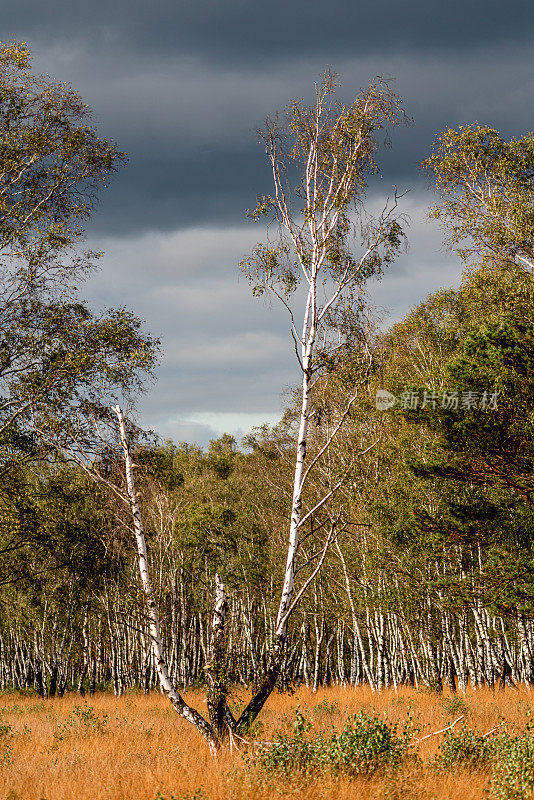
343 546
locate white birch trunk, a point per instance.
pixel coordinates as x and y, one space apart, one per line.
296 505
179 704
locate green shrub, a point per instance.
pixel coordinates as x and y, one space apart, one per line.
464 748
84 719
6 748
366 744
455 706
295 751
513 768
89 718
326 708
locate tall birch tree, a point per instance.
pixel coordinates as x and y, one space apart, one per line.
326 247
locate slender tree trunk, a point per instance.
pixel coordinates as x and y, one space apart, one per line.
190 714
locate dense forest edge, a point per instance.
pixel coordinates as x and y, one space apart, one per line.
430 578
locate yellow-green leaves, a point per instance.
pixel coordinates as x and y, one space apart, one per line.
321 156
264 207
486 185
59 364
52 163
16 54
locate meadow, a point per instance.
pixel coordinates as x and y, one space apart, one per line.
136 747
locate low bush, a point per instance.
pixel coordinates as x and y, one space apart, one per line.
366 744
294 751
513 768
464 748
326 708
6 747
89 718
510 758
455 705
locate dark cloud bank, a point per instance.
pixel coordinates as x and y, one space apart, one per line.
182 86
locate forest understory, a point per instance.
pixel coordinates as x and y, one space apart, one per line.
135 747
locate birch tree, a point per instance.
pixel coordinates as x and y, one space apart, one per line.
486 193
326 247
52 166
56 357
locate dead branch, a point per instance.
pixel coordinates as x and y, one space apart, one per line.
435 733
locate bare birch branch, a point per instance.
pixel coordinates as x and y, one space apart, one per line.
435 733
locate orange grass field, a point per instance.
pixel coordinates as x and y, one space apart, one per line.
137 748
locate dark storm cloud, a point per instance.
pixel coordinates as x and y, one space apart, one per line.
167 190
182 87
189 127
191 130
255 33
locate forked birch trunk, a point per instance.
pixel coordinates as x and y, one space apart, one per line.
216 667
179 704
334 148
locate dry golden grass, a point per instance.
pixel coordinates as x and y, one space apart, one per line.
135 747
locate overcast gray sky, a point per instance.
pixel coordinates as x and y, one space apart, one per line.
182 86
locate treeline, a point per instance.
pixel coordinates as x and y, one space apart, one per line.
403 473
429 577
